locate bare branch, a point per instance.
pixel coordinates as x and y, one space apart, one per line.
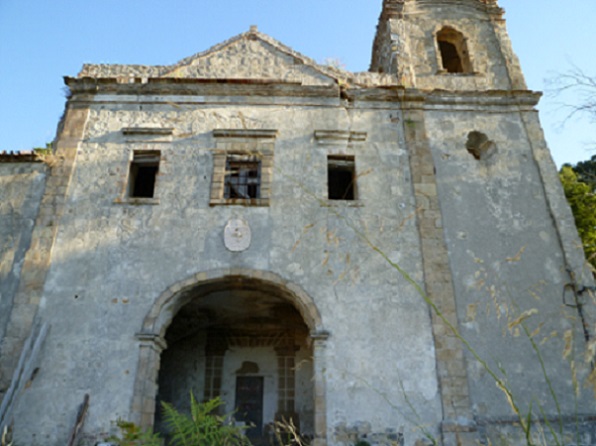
582 86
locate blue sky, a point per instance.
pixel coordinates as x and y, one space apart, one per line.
41 41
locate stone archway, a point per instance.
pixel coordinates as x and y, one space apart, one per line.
202 294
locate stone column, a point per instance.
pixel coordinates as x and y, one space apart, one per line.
319 345
142 410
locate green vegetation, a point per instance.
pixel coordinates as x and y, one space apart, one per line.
586 172
132 435
202 427
47 150
579 184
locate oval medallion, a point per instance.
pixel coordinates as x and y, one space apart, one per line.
237 235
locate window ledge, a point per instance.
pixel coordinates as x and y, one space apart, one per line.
137 201
447 73
341 204
250 202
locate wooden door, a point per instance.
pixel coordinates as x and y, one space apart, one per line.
249 403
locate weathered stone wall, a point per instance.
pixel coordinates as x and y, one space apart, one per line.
506 258
112 259
21 188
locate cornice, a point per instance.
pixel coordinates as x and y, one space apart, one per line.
524 98
26 156
190 87
439 98
398 8
204 88
327 136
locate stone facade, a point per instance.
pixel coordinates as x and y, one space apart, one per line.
22 180
384 257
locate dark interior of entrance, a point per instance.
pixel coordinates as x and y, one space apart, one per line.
249 403
244 342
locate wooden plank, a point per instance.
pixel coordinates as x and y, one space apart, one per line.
23 372
16 375
81 414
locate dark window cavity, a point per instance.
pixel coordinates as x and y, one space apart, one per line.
143 172
243 177
341 177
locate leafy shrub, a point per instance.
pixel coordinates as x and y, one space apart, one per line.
133 435
202 427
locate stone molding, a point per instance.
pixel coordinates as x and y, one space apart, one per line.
319 335
327 136
27 156
168 303
147 131
244 133
187 87
87 91
489 6
489 98
150 339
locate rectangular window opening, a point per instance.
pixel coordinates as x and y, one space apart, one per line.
143 173
341 178
242 177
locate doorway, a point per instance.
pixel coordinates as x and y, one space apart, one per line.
244 342
249 404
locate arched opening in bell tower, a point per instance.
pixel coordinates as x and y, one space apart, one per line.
453 50
248 342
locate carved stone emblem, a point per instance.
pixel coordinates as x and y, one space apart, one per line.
237 235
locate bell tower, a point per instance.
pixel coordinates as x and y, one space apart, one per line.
448 44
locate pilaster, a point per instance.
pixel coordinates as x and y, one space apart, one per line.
458 427
142 410
37 260
319 339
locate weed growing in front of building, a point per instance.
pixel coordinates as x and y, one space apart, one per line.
202 427
286 434
133 435
5 440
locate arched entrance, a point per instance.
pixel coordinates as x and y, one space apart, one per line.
249 337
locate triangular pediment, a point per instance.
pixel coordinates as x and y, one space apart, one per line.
248 56
251 55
